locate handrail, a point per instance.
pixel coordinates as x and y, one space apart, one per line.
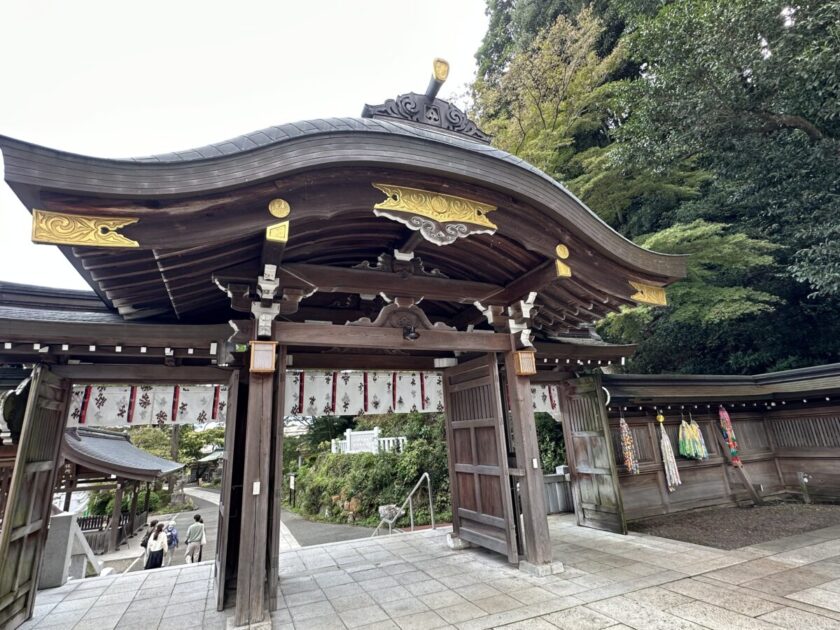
410 501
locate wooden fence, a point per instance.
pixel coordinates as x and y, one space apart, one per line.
775 446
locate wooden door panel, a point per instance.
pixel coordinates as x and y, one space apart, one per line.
225 498
482 506
591 458
28 507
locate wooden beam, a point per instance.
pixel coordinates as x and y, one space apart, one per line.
105 373
330 279
327 361
114 534
330 335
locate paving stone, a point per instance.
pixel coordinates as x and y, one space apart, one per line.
106 610
461 612
61 620
818 597
377 584
428 620
795 618
723 597
352 601
498 603
69 605
579 618
183 622
310 610
100 623
305 597
389 594
380 625
786 582
405 606
640 616
177 608
658 597
442 599
365 615
426 587
717 618
343 590
751 570
326 622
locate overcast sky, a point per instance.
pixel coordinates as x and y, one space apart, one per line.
116 79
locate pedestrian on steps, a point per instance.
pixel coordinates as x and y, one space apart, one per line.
195 540
156 548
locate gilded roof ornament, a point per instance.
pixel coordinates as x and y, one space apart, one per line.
648 294
440 218
56 228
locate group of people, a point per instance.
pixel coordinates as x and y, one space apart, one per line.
161 540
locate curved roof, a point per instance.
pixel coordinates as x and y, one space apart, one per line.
114 454
203 211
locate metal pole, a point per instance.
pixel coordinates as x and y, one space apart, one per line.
431 507
411 511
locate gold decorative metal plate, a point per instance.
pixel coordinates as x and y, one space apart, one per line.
279 208
441 219
437 206
563 270
648 294
562 251
78 229
279 232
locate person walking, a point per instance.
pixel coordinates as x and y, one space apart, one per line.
195 540
145 542
171 543
156 548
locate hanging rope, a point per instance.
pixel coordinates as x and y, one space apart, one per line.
672 473
729 436
627 449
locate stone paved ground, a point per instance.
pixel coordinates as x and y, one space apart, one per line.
415 581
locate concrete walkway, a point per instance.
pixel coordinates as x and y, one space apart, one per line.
415 582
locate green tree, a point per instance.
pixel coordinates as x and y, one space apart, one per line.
751 90
190 442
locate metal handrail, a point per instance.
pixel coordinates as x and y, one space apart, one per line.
409 500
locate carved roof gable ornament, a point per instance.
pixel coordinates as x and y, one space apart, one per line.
441 219
426 109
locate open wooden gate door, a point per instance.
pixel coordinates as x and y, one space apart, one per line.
23 531
482 507
226 500
589 453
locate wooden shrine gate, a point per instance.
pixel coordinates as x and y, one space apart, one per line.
23 531
589 453
482 505
25 522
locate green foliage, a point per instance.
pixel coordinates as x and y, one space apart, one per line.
326 428
102 503
351 487
152 439
672 121
190 442
551 441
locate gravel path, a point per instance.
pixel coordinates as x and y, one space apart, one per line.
735 527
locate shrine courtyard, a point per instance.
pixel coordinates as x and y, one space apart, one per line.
414 581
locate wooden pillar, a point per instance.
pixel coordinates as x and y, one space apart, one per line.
276 480
535 521
253 540
114 537
133 517
70 481
146 499
173 453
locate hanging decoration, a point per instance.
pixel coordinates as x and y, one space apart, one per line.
729 436
691 442
631 463
672 473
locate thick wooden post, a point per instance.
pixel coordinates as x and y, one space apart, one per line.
146 499
114 537
535 521
253 542
133 517
276 480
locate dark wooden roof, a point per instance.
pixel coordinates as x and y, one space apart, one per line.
823 380
203 212
113 453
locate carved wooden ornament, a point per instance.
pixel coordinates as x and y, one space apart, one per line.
440 219
78 229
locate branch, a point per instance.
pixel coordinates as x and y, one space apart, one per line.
773 122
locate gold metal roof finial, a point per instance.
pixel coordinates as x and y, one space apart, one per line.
440 70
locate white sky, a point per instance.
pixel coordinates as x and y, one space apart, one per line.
118 79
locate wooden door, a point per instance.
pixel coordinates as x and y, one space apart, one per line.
590 455
226 496
482 507
26 518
